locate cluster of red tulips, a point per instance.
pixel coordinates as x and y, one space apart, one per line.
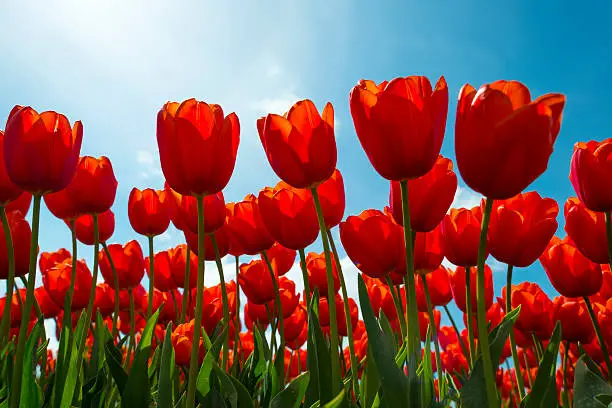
179 343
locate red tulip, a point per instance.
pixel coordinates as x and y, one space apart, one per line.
289 299
148 211
61 205
256 282
590 174
438 284
186 212
317 273
48 260
104 300
164 281
300 145
295 323
197 146
9 191
246 226
461 235
605 292
424 322
458 286
57 282
22 236
93 188
503 139
128 261
373 242
587 230
428 253
400 124
168 312
84 227
182 342
333 201
536 309
221 237
48 307
281 258
177 258
17 300
254 313
289 215
29 140
576 325
570 272
140 299
21 204
521 227
430 196
340 316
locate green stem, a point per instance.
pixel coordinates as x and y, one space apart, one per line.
483 334
459 338
5 326
70 293
434 332
272 323
470 315
538 346
565 395
279 311
27 310
347 314
515 358
132 344
333 323
151 276
226 315
116 290
237 335
602 343
414 340
193 363
186 288
528 369
398 306
305 276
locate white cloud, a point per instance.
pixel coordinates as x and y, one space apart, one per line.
273 70
465 198
278 105
149 164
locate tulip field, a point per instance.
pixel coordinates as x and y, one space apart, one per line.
170 341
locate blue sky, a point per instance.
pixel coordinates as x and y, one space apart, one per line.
113 64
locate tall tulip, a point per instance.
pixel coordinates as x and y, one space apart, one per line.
591 174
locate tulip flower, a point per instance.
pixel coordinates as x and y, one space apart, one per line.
21 234
256 282
587 230
182 341
458 287
105 299
57 280
536 309
590 174
9 191
177 259
83 226
148 211
400 124
440 292
246 226
48 307
281 258
574 318
300 145
93 188
129 264
186 212
461 235
21 204
333 201
317 275
164 281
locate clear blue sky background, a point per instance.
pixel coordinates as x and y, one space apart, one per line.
113 64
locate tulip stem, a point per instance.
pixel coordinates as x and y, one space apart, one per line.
10 251
434 332
515 359
305 276
279 311
414 340
193 363
151 276
333 323
70 294
398 306
226 314
186 284
237 324
27 310
116 290
132 344
483 333
347 314
271 321
565 395
470 315
459 338
600 338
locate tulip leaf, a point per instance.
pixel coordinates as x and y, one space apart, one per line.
114 363
166 372
136 393
74 367
393 381
319 359
544 391
370 383
31 395
337 400
426 370
293 394
232 390
588 385
203 383
473 392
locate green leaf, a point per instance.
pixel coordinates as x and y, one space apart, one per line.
232 390
114 363
244 398
544 391
588 385
31 395
337 401
136 393
427 383
392 379
370 383
166 371
203 383
293 394
74 367
318 359
473 392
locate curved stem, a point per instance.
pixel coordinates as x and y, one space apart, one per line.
602 343
151 277
333 323
279 312
459 338
483 334
434 332
305 276
470 315
193 363
347 315
27 310
132 344
515 359
414 340
5 326
398 306
226 315
116 290
186 288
